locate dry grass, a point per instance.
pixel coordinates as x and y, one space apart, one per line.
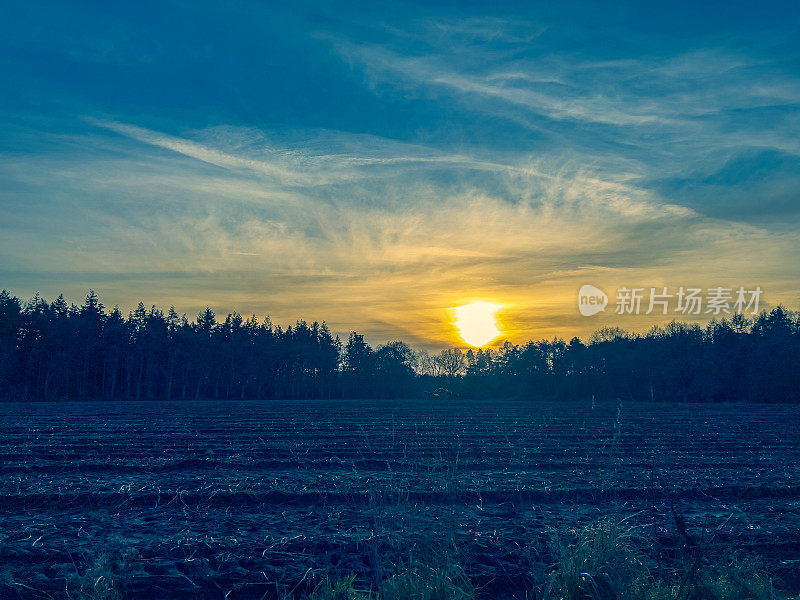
340 589
602 565
608 563
425 582
604 561
415 582
103 579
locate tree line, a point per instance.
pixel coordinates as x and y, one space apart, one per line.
61 351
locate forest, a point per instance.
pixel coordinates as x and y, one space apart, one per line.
52 351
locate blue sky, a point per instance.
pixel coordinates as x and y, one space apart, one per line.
376 166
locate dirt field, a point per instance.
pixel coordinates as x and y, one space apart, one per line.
199 500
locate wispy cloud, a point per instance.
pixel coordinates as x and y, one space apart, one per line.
663 106
330 251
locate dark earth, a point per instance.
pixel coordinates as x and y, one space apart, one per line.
248 499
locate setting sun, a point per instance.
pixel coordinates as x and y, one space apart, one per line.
477 322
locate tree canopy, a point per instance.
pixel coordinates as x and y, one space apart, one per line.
61 351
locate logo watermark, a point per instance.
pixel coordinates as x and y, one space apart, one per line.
714 301
591 300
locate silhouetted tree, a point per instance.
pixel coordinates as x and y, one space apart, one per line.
54 351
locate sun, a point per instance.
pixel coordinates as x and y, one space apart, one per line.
477 322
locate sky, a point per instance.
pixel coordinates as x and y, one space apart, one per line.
376 165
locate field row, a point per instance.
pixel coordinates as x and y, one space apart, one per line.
251 497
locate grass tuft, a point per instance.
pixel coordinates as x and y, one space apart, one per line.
340 589
101 580
416 581
607 563
424 582
601 565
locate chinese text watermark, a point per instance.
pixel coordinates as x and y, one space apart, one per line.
714 301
